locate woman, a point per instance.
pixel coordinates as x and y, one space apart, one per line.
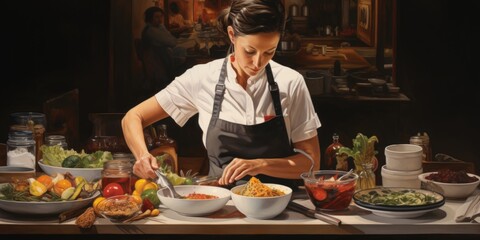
253 111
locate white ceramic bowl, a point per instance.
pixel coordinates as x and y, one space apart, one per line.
450 190
261 207
406 179
90 174
403 157
7 173
195 207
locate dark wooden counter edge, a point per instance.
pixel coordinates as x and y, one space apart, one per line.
258 229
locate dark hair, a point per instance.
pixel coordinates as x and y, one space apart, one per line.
150 12
174 7
253 16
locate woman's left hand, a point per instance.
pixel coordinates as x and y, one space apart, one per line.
239 168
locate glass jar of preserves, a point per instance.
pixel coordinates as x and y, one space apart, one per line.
53 140
118 172
21 149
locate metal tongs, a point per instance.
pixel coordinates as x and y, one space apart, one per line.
169 191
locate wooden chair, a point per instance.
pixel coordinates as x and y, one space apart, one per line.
62 113
157 65
3 154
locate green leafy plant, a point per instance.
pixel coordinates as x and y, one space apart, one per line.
363 149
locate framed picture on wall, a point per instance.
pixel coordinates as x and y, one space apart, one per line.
365 22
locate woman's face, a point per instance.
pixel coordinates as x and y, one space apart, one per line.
157 19
252 52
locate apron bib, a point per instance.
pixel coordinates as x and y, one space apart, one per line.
226 140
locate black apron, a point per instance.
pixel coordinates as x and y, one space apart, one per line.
227 140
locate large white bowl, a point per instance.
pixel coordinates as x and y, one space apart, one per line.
90 174
403 157
450 190
195 207
261 207
44 208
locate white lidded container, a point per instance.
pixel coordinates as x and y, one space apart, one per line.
406 179
403 157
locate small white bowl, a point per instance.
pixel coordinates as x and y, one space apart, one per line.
90 174
261 207
403 157
450 190
8 173
195 207
406 179
377 81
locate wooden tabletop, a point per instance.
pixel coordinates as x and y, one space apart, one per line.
355 221
348 58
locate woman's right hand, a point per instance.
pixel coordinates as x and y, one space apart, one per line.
145 166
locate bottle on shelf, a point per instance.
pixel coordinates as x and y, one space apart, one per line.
166 147
331 152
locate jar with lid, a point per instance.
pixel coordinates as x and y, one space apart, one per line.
30 121
118 171
21 149
419 140
53 140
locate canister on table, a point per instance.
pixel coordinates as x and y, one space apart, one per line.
118 171
53 140
21 149
424 143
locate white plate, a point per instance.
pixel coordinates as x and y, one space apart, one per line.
397 214
44 208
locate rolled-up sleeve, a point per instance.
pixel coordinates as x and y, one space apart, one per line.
303 118
177 99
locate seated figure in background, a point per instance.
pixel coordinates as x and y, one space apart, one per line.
157 40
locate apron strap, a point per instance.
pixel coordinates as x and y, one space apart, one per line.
274 92
219 91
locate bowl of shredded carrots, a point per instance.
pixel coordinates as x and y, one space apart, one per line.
261 200
196 200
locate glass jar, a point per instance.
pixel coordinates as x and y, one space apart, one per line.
30 121
53 140
21 149
366 177
331 153
118 171
163 139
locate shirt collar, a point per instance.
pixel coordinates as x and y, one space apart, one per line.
232 75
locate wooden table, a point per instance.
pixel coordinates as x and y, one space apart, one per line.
348 57
226 222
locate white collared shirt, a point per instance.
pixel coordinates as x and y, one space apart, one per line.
193 92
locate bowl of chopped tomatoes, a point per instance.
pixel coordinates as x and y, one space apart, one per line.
196 200
450 183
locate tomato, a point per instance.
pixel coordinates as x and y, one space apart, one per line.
319 194
112 189
147 205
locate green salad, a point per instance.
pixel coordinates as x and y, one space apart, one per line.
59 157
388 197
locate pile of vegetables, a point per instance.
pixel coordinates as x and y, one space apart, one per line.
45 188
59 157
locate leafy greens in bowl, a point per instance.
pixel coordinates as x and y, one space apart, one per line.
58 157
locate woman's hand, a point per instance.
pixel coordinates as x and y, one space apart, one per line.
145 167
239 168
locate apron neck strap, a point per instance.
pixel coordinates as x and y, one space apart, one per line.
220 91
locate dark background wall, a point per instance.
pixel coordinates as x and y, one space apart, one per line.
50 47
